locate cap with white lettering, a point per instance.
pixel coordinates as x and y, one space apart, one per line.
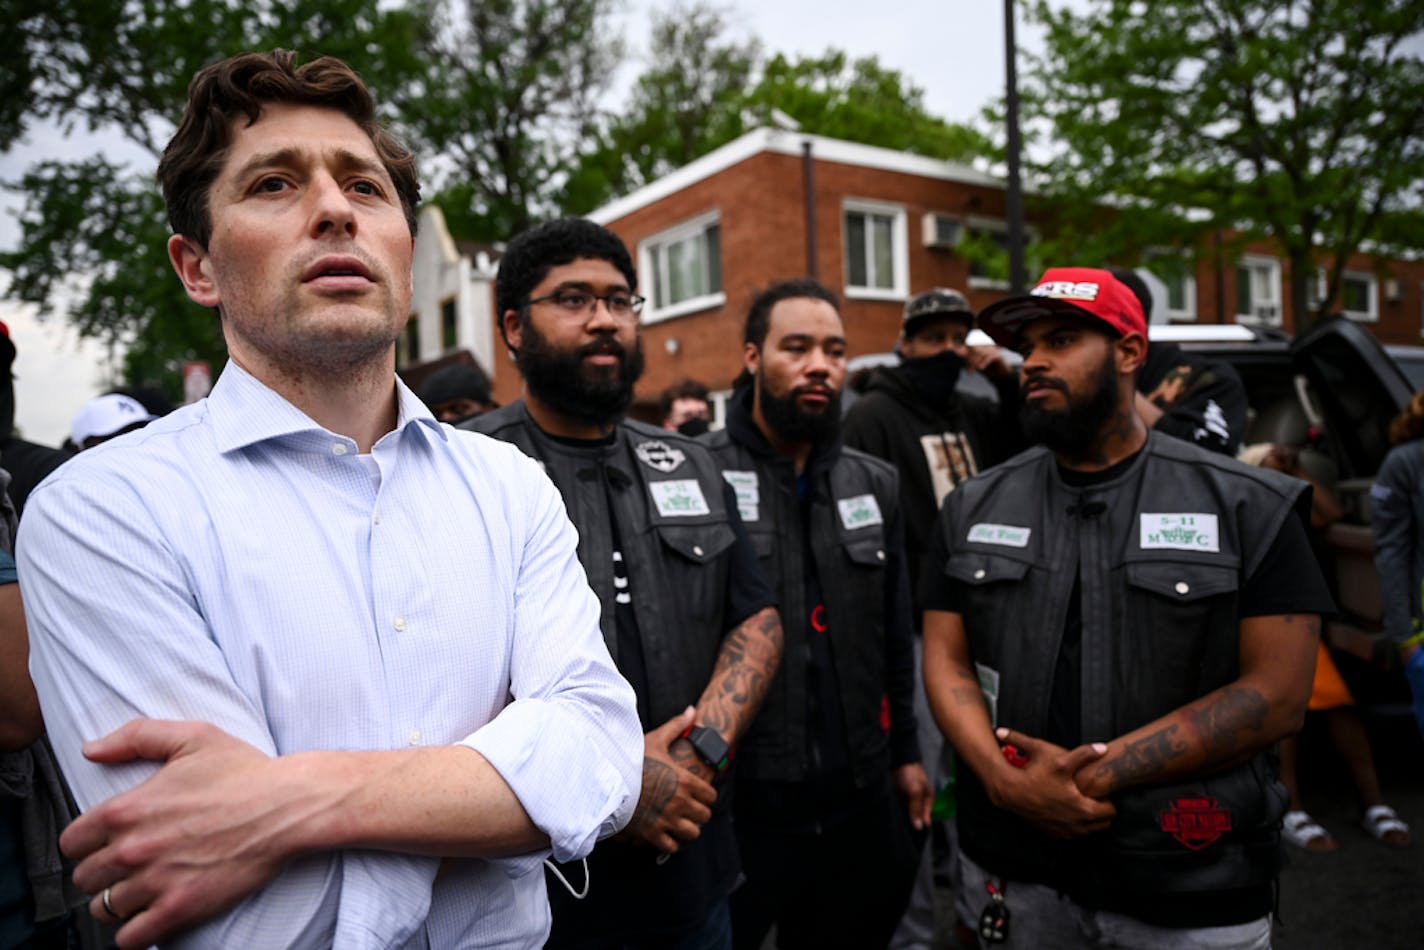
1079 291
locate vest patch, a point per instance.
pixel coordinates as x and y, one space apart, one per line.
1181 532
1008 535
859 511
748 491
1196 821
657 454
679 497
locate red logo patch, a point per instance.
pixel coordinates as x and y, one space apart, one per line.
1195 822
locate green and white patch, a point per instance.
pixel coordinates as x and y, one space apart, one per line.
748 491
1008 535
679 497
859 511
1189 531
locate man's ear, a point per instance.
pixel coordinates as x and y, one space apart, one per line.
751 357
512 328
194 269
1132 352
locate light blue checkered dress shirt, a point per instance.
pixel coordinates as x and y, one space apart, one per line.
234 562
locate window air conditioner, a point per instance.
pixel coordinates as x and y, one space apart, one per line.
1393 291
941 230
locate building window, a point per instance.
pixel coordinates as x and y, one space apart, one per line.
1359 296
1258 291
683 268
876 257
449 326
1177 295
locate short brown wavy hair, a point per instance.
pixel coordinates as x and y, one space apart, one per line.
239 86
1409 424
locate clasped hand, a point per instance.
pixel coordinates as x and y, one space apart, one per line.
675 801
1045 790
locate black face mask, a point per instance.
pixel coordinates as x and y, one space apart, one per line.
693 427
934 377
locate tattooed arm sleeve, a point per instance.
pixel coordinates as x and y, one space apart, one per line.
1229 725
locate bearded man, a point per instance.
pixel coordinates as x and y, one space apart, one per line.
1119 625
687 614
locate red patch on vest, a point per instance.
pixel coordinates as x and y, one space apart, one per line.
1195 822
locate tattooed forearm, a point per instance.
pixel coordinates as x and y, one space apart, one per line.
1142 759
1235 719
967 695
745 668
659 787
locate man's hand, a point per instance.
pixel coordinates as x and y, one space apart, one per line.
988 360
914 786
188 843
675 803
1043 791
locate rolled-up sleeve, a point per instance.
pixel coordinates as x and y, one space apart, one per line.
569 744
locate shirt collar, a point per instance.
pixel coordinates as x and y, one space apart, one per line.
245 411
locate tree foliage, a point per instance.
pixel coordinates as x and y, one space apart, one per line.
93 232
703 88
1301 121
507 97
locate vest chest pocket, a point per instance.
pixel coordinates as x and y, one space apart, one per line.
1181 624
697 544
866 552
994 603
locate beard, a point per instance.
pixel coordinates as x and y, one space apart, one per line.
1073 430
793 423
587 394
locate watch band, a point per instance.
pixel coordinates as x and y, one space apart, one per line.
710 747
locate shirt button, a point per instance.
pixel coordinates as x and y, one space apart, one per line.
377 518
979 574
1183 587
414 737
338 449
697 549
398 623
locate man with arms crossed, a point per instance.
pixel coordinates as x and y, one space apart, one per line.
1118 627
377 625
686 612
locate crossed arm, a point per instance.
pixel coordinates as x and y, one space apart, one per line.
677 794
1065 791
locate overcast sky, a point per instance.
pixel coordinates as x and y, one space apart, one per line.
953 49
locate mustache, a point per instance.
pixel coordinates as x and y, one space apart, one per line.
1042 382
606 345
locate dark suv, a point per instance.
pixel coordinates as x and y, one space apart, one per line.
1331 394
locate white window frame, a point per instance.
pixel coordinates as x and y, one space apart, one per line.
682 231
899 287
1370 315
1273 267
1187 313
975 222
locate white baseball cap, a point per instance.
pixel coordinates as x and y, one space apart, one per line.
104 416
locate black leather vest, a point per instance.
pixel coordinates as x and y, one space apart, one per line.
853 502
1161 553
665 494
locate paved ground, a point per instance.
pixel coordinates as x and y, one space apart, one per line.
1366 894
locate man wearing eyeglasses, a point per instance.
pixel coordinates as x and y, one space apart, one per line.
687 615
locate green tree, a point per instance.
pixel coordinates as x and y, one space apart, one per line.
507 98
703 88
93 230
1301 121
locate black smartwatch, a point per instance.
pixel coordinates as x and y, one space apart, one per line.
710 747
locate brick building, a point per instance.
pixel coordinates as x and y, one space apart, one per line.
880 225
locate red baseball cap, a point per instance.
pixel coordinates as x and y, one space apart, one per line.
1081 291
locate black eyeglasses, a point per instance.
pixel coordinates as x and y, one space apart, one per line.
575 303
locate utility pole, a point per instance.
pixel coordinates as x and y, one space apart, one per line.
1018 280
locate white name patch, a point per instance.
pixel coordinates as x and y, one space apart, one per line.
748 492
679 497
860 511
1181 532
1008 535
